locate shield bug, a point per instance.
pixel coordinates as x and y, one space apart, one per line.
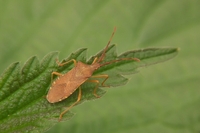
67 83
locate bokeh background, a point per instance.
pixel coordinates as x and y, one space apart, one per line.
161 98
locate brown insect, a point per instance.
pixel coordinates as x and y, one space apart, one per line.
67 83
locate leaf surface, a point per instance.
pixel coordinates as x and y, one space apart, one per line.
23 105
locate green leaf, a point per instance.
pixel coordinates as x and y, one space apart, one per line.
23 106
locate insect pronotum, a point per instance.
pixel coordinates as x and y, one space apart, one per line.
68 82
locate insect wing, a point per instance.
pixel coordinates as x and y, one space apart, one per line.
56 93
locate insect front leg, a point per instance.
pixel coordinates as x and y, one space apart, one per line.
62 64
65 111
95 60
97 83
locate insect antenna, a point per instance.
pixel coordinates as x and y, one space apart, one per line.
107 63
106 48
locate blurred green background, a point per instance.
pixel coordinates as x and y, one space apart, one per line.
161 98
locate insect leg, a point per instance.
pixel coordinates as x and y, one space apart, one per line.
79 98
55 73
95 60
97 83
102 76
62 64
95 89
